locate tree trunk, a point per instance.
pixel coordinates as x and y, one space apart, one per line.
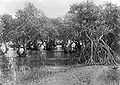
91 61
91 51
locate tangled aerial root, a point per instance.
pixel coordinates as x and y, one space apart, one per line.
109 62
90 62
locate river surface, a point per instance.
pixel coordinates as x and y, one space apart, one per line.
45 61
36 59
51 58
47 68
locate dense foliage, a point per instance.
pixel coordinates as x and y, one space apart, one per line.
96 27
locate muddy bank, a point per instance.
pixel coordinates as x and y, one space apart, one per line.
50 75
88 75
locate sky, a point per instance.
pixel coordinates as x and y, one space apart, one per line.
51 8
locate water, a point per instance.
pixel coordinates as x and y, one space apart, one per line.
52 60
39 58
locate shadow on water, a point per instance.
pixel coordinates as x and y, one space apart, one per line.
54 60
49 58
38 59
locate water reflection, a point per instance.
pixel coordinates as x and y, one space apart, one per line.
39 58
36 59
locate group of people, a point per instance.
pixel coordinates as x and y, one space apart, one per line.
69 47
73 46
